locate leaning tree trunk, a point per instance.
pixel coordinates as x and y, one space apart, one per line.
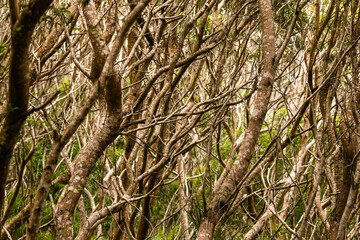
38 204
88 156
219 203
22 26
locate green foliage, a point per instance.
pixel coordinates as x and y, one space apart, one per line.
225 148
3 49
46 235
76 225
64 84
61 11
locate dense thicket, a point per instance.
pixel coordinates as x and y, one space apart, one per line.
179 119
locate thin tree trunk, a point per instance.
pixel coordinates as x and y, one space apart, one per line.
88 155
22 26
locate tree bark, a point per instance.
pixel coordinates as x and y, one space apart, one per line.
86 159
220 202
19 81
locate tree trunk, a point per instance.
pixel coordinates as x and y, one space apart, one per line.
22 26
220 202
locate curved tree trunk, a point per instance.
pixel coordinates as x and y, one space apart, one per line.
22 26
220 202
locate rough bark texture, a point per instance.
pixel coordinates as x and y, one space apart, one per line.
19 81
83 164
16 222
88 156
62 139
42 192
163 119
219 203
